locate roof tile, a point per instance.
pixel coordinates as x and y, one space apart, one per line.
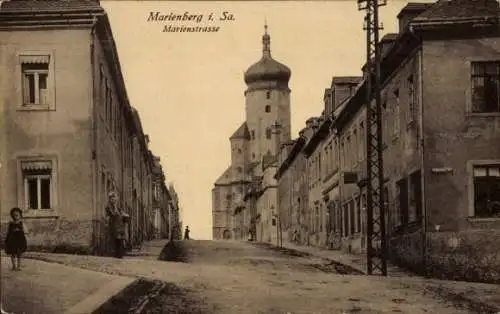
449 10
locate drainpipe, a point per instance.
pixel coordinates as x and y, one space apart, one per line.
93 138
425 214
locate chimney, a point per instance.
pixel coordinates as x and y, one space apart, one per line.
410 11
327 98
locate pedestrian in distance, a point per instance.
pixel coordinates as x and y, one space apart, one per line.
186 233
15 241
118 220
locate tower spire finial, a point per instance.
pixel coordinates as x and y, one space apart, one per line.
266 41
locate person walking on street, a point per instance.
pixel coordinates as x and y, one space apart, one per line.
186 233
15 241
117 224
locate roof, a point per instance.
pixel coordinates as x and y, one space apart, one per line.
242 132
320 133
225 178
346 80
389 37
415 7
292 154
454 10
268 160
50 5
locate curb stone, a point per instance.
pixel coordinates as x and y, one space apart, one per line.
101 296
459 299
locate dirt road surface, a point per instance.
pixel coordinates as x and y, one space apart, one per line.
239 277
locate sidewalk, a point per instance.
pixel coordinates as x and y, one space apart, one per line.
42 287
357 261
483 298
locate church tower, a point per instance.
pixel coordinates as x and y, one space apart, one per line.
267 104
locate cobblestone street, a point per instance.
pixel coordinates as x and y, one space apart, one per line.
240 277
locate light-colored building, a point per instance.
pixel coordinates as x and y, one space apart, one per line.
254 149
69 133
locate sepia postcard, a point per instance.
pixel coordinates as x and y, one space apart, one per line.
246 157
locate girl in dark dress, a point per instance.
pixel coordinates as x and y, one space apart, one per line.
15 241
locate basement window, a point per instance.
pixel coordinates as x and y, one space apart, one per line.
487 191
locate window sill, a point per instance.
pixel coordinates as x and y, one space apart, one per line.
484 219
40 214
481 114
27 107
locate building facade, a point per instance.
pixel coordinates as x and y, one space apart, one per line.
72 135
236 195
441 140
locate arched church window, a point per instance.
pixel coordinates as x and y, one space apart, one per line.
268 133
268 108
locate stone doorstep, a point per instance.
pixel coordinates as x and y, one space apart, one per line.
101 296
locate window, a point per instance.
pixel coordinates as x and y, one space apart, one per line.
352 220
346 220
38 184
35 75
327 161
268 108
342 154
268 95
412 100
355 146
402 190
348 153
252 135
358 214
415 197
485 87
268 133
487 191
396 113
239 150
361 141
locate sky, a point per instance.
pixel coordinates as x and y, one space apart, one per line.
188 87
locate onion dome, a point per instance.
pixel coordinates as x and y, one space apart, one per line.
267 69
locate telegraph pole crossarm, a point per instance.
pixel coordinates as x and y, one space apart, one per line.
376 238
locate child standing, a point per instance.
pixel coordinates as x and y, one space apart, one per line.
15 241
